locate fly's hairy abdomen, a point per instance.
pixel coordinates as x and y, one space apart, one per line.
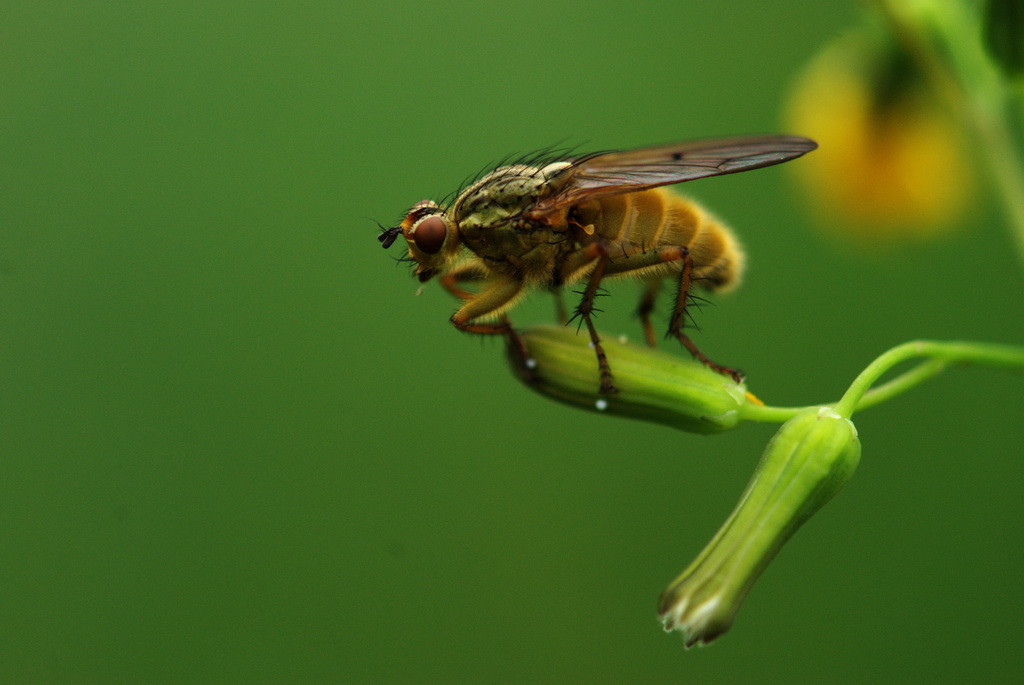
647 220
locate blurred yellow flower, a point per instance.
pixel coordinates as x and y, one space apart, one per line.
891 163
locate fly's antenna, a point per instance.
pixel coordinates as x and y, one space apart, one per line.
388 236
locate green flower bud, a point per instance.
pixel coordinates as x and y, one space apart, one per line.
807 462
654 386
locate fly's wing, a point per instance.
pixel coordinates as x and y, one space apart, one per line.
627 172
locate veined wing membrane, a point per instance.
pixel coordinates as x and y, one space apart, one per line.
626 172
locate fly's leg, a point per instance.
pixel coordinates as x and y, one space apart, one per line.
496 297
649 262
675 325
560 314
584 310
492 298
644 309
468 272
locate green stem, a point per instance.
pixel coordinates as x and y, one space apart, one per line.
941 354
905 381
766 414
861 395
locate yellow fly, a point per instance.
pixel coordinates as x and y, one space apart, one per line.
603 215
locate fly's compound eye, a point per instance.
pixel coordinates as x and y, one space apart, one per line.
429 234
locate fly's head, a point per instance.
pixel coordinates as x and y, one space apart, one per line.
432 238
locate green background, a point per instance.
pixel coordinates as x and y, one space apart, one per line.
236 447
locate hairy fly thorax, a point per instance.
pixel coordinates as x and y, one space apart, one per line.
493 221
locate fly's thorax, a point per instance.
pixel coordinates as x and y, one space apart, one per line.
493 223
503 195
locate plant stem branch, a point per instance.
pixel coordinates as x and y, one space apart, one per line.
861 395
941 354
